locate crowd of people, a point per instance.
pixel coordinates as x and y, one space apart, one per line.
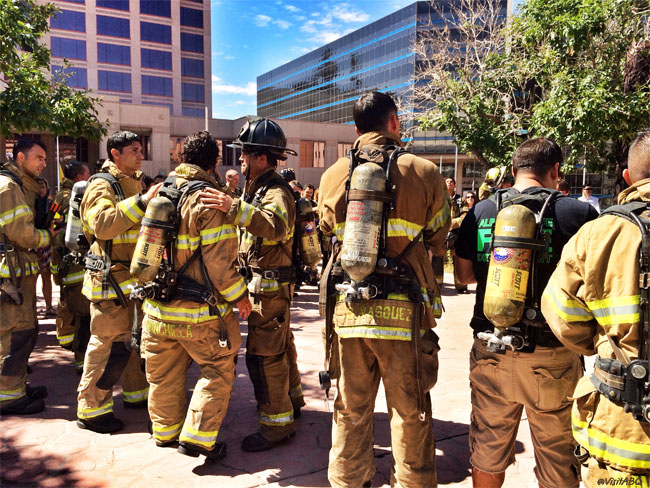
140 304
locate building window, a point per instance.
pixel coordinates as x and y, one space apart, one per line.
155 33
114 4
192 67
156 85
193 112
69 20
192 17
156 59
191 42
113 54
312 154
343 149
114 81
75 1
192 92
160 8
112 26
68 48
78 77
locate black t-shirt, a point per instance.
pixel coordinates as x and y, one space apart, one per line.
562 220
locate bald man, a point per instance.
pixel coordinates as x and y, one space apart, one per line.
232 183
592 305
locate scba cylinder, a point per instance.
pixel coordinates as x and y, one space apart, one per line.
74 226
363 223
309 245
507 281
158 221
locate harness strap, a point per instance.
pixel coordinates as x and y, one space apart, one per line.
378 196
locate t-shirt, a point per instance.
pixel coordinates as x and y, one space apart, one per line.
562 219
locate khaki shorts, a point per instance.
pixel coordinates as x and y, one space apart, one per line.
502 386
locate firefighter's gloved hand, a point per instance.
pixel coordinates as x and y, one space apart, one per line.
213 198
151 192
245 308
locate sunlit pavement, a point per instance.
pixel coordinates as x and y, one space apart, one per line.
49 450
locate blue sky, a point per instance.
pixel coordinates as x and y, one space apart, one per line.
251 37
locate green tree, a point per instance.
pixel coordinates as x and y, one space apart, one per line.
561 69
29 99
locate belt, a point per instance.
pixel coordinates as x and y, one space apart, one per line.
285 273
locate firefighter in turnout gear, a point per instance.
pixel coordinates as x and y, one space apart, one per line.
594 305
522 364
182 328
111 210
73 312
18 273
266 215
383 324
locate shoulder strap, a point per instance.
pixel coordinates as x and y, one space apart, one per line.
114 182
12 176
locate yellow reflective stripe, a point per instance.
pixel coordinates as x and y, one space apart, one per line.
296 392
268 285
279 211
403 228
203 438
15 213
247 238
440 217
234 291
244 214
31 268
88 413
8 395
214 235
566 309
43 237
72 278
166 433
131 209
617 451
135 396
183 315
128 237
184 241
616 310
54 268
95 293
100 205
374 332
437 307
64 340
339 230
277 419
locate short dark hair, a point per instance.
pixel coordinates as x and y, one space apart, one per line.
25 144
372 111
201 149
450 178
120 140
537 156
72 169
309 185
563 185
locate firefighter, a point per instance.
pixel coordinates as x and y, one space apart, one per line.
593 306
495 179
111 210
390 337
266 214
537 373
18 273
209 336
232 183
73 312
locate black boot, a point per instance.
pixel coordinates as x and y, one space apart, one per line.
36 392
192 450
102 424
24 406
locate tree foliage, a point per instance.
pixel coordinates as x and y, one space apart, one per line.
29 98
560 69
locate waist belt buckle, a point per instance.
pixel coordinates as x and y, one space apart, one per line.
211 300
7 248
270 274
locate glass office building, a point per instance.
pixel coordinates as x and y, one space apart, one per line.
322 86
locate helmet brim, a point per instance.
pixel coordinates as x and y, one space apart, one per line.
272 149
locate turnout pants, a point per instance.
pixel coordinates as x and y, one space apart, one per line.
363 363
73 322
169 350
269 354
502 386
107 359
18 334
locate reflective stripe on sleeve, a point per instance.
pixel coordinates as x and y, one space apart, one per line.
616 310
15 213
276 420
440 217
214 235
234 291
100 205
184 241
296 392
72 278
43 237
166 433
279 211
568 310
131 209
88 413
128 237
203 438
403 228
617 451
244 214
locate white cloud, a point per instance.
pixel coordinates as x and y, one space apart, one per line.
347 14
327 27
266 21
221 88
229 57
262 20
282 24
292 8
